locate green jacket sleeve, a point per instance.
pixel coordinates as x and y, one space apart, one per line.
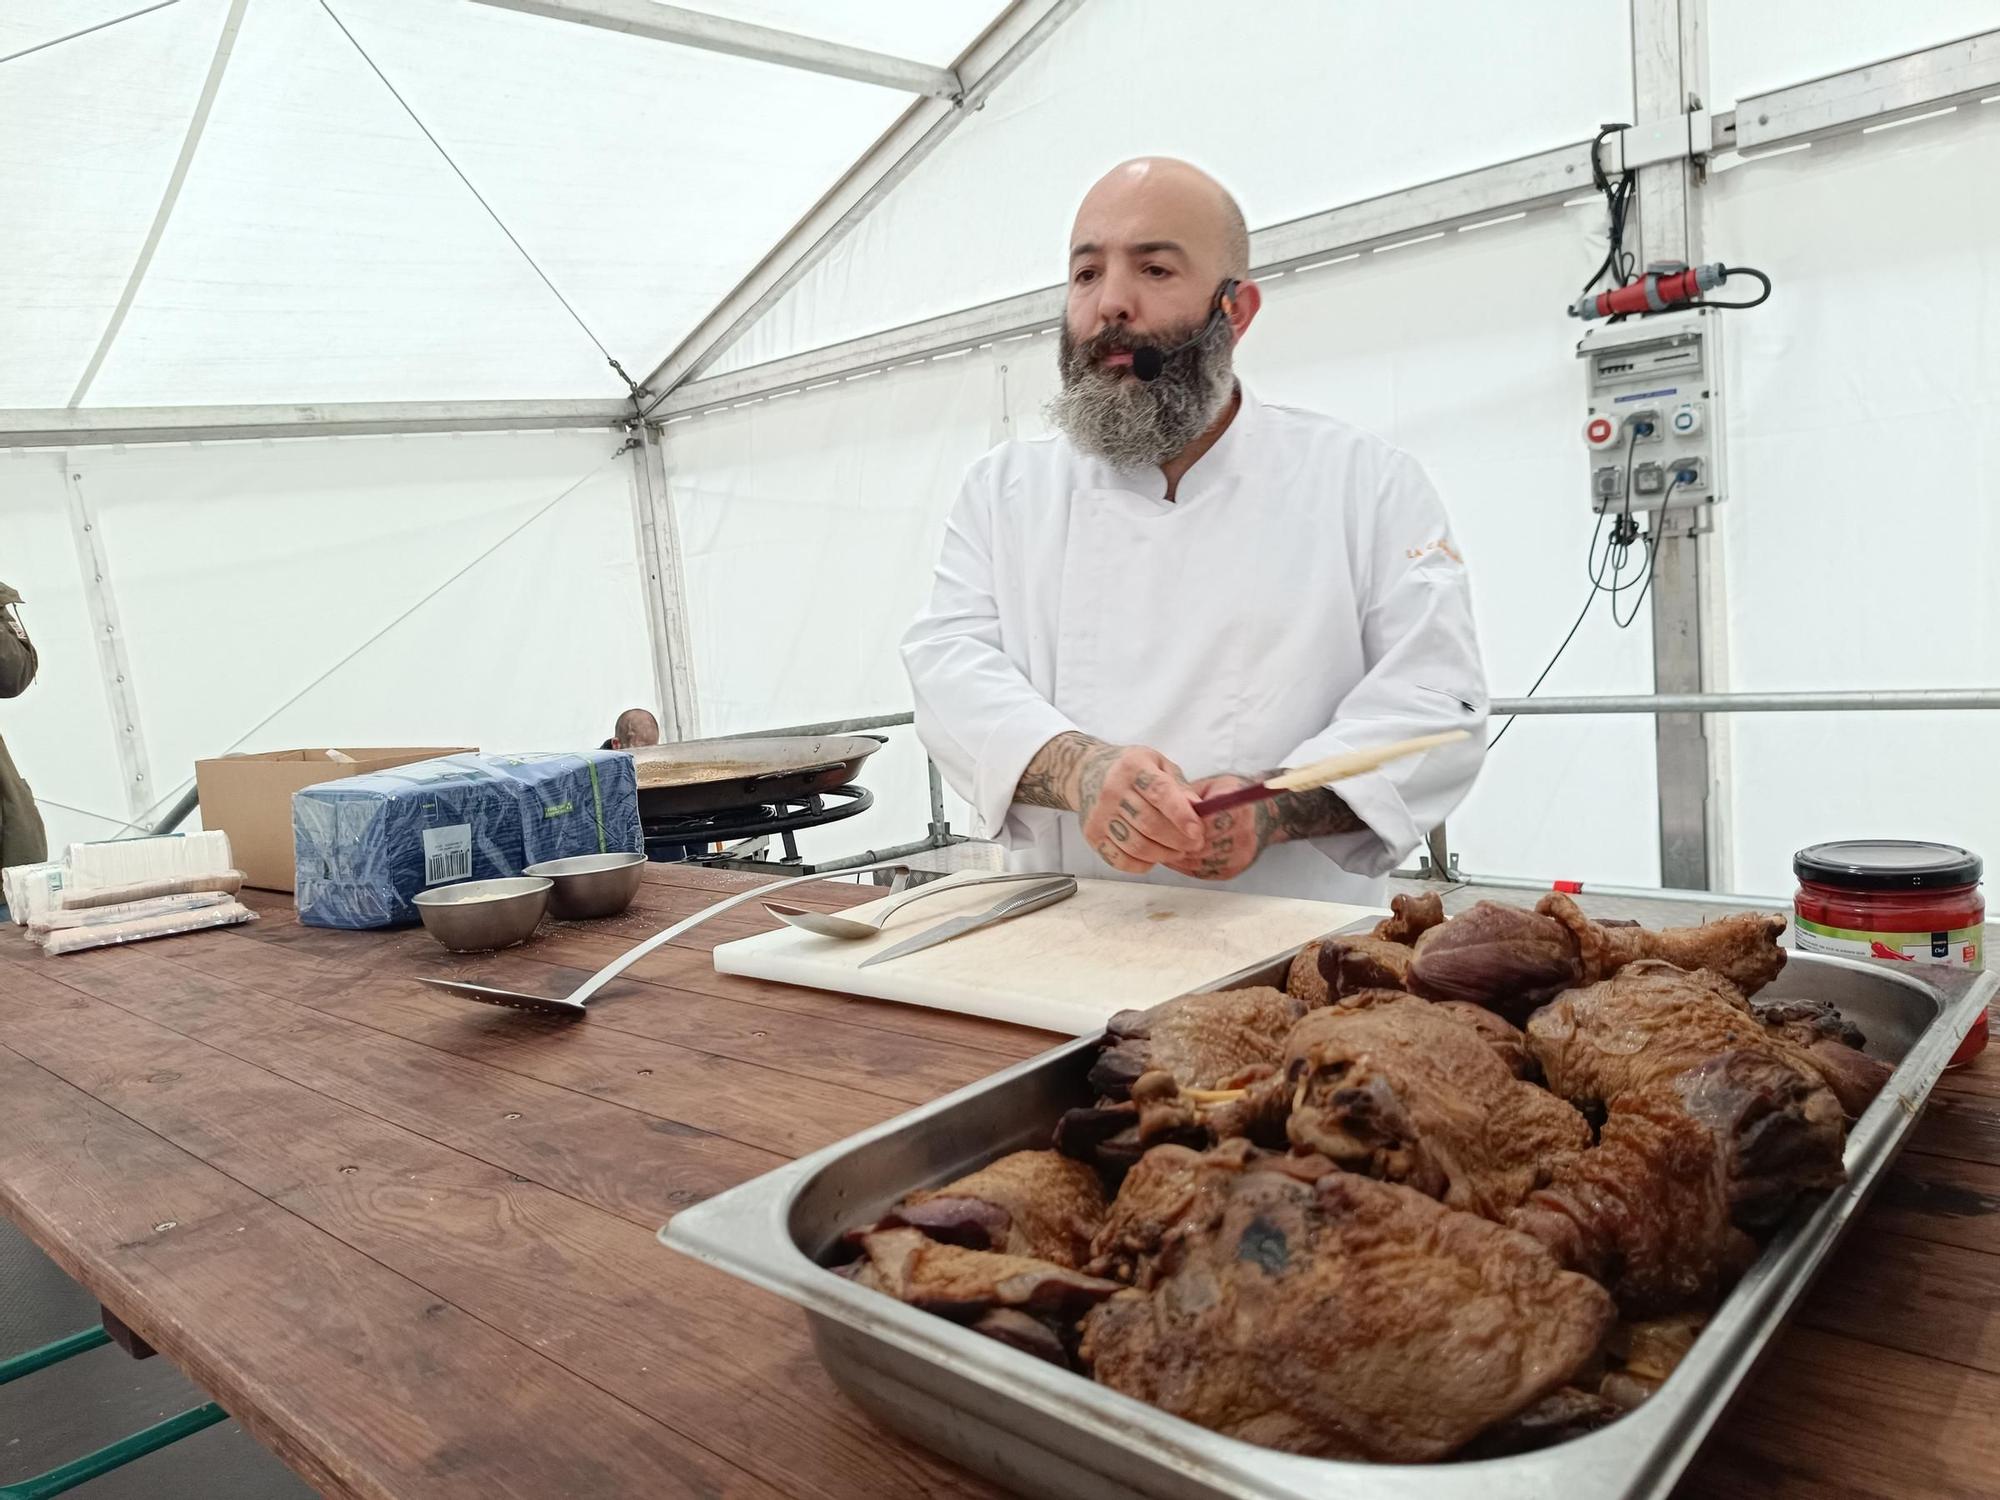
17 652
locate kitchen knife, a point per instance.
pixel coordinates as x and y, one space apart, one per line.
1047 893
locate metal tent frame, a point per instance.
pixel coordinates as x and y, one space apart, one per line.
1670 146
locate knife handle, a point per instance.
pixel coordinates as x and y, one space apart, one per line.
1034 898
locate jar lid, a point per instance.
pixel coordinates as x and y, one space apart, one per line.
1887 865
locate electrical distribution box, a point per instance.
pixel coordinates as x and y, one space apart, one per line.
1653 419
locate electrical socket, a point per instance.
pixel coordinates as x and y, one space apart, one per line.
1643 426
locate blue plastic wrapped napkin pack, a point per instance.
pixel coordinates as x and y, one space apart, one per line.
367 845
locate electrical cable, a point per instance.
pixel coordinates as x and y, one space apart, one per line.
1588 600
1757 301
1617 263
1623 534
631 385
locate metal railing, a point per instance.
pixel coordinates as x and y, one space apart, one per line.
1438 862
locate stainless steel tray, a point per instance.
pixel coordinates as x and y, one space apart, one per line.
1046 1432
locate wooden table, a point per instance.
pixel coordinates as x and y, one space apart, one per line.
408 1240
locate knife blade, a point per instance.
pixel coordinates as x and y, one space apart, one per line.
1047 893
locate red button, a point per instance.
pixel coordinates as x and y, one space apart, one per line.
1597 431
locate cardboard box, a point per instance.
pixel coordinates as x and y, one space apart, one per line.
249 797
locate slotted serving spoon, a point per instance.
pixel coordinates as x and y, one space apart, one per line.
829 924
571 1006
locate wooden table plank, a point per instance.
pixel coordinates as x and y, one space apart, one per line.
366 1383
1827 1418
580 1145
590 1293
695 1088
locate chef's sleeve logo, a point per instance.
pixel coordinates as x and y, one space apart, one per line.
1442 544
14 624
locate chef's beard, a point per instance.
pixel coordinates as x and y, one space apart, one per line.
1131 422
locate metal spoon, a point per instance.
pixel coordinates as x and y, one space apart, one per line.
570 1006
828 924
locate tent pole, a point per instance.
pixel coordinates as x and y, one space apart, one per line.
1669 77
666 595
197 122
712 33
120 695
1020 29
63 427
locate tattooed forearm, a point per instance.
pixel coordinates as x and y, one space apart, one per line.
1304 815
1056 776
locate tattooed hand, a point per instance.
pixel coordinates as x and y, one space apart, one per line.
1236 837
1133 801
1232 839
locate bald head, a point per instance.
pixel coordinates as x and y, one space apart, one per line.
1161 197
635 727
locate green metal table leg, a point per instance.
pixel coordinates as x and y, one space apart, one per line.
49 1354
114 1455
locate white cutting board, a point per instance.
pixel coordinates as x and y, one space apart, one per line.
1115 945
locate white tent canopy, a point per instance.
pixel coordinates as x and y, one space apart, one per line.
234 221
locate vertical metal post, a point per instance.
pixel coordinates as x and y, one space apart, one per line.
119 693
1669 77
1437 853
666 598
940 829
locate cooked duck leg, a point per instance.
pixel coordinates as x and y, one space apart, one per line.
1658 1210
1742 948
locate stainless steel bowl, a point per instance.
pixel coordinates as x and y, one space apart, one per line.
591 885
477 916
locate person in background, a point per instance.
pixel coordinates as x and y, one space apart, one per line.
1185 576
636 727
22 839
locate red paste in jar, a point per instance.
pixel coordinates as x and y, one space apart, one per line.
1896 899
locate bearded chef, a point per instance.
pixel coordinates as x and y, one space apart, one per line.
1186 589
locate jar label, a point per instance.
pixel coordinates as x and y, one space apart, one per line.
1962 948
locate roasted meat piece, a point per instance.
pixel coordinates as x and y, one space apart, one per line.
1658 1211
1511 960
1506 1040
1212 1041
1652 1020
1715 1126
1411 1092
1742 948
1501 957
1163 1195
1033 1203
1413 916
1335 966
1349 965
962 1284
1808 1021
1343 1317
1157 1195
1302 979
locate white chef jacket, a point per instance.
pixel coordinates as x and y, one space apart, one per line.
1302 597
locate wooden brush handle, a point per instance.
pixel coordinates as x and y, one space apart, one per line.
1325 772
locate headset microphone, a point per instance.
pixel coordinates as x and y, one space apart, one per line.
1148 360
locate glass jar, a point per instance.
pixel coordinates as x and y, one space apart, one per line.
1899 899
